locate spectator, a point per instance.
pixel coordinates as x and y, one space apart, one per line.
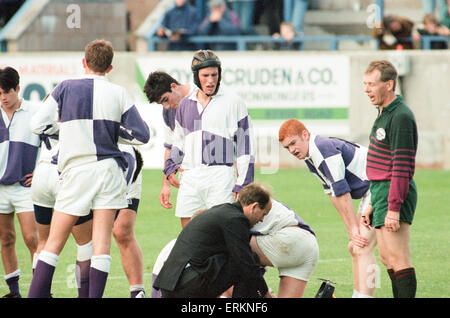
220 21
445 15
271 11
245 9
287 32
294 11
178 24
8 9
431 26
430 6
394 31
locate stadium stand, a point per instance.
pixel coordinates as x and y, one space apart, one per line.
41 25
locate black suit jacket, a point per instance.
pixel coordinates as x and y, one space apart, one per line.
216 245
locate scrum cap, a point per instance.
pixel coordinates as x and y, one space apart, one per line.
202 59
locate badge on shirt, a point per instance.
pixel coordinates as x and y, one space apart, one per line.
381 134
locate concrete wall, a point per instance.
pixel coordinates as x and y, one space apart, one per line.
62 28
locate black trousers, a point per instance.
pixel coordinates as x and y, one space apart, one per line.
194 285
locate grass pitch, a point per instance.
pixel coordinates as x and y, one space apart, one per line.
300 190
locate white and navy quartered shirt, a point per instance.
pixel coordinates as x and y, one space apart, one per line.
340 165
219 134
279 216
90 115
19 147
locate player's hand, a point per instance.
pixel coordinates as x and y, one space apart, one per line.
365 217
357 239
173 180
164 197
29 179
392 221
235 195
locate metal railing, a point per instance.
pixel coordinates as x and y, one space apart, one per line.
243 41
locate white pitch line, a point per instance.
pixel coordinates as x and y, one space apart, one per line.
332 260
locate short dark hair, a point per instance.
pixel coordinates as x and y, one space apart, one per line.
157 84
254 192
99 55
9 78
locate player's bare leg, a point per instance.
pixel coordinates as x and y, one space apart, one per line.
9 256
184 222
82 234
60 229
8 242
101 260
395 245
364 264
130 251
28 228
290 287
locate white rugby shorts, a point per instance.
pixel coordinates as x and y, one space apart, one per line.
15 198
134 189
294 251
204 187
96 185
45 184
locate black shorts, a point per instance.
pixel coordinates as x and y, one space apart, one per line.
44 215
133 204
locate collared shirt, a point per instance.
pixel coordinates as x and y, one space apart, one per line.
94 115
340 165
19 147
219 134
392 150
169 120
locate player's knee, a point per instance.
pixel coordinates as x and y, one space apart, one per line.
357 251
7 238
31 241
122 235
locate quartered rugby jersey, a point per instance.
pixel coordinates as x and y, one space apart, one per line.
340 165
392 150
19 147
93 115
169 120
219 134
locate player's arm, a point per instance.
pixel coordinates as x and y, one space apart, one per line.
176 155
344 205
133 129
403 134
45 120
164 195
333 168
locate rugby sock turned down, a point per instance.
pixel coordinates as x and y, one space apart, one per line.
12 279
98 274
406 283
136 289
41 283
83 264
